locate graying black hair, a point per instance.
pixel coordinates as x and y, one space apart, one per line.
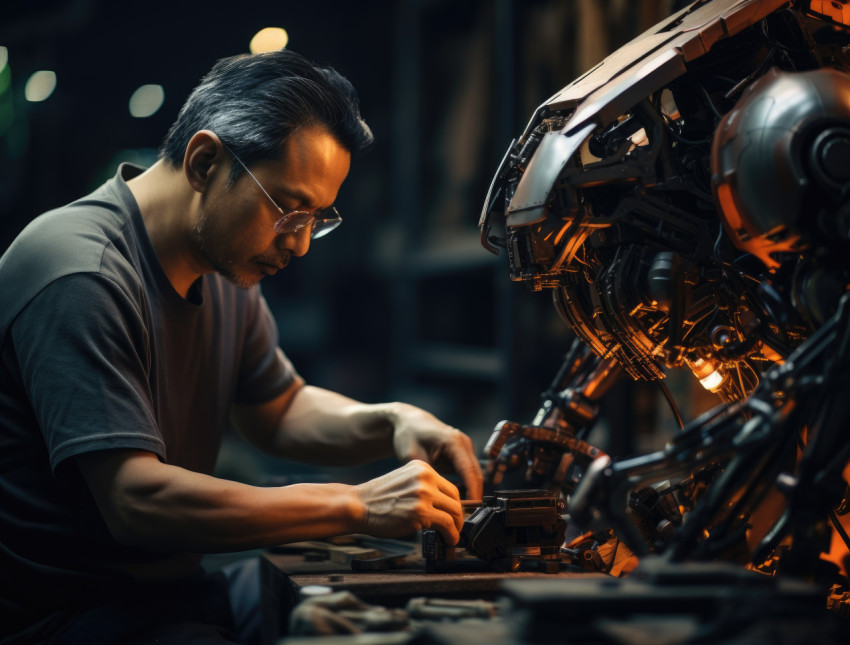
255 102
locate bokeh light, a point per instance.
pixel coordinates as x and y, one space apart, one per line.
7 112
40 86
146 100
268 40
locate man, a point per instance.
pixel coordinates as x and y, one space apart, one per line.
132 328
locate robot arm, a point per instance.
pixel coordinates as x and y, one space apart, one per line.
548 450
687 202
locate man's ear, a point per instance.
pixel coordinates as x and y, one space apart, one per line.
204 154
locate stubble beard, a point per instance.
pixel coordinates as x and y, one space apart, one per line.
202 232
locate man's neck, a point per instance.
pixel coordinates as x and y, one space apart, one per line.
167 204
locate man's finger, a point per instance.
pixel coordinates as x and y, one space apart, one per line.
451 506
466 465
445 524
448 488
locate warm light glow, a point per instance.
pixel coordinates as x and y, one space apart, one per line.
712 381
40 86
268 40
146 101
837 553
639 138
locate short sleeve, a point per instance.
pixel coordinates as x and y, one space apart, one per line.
84 357
265 371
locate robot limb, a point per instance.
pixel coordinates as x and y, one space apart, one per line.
548 448
754 443
687 201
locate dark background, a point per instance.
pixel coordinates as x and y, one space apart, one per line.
401 302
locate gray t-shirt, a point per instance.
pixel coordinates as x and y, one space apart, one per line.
97 351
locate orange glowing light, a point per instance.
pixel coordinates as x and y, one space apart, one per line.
837 10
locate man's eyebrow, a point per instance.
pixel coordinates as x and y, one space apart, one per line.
301 197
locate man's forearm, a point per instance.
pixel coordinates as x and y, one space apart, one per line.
157 506
327 428
318 426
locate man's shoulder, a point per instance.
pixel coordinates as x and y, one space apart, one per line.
91 235
65 232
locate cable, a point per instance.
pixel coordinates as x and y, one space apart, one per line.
837 524
690 142
710 102
672 403
613 558
718 240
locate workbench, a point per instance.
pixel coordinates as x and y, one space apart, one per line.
664 603
285 574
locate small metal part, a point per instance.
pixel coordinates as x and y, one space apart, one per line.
441 608
311 591
516 527
435 550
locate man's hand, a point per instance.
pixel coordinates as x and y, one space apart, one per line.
420 435
408 499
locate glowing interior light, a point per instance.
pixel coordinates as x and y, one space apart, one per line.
639 138
146 101
268 40
712 381
40 86
4 57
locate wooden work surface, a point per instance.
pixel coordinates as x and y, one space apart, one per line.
285 574
397 584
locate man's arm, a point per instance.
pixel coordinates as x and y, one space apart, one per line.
315 425
153 505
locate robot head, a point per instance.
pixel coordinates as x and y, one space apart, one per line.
780 165
607 198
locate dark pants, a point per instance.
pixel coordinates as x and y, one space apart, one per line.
222 607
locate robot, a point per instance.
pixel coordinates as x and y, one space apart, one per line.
687 204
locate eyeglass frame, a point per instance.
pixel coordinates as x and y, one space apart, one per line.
321 226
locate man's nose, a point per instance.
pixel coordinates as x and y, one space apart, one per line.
298 242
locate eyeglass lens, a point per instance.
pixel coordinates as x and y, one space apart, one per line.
322 222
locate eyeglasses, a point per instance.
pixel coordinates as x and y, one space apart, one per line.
322 221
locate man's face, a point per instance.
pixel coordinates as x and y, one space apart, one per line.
234 233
